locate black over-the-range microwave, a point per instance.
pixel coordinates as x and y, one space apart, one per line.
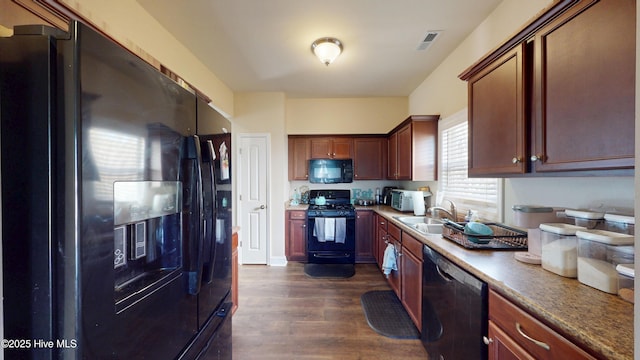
330 171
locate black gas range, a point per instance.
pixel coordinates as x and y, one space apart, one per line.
331 227
336 203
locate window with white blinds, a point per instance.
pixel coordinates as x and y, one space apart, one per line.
482 195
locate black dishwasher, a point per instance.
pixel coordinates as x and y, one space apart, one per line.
454 310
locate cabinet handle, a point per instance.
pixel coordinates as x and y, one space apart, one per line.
487 341
535 158
329 154
304 225
537 342
516 160
334 154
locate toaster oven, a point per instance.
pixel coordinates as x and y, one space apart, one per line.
402 200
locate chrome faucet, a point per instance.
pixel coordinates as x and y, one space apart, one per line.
452 213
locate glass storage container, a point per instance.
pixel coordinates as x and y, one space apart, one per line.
599 252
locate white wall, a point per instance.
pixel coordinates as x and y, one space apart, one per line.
265 113
345 115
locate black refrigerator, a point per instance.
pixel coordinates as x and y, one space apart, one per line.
109 242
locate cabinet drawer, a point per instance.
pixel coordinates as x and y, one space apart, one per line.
524 329
412 244
382 222
297 214
394 231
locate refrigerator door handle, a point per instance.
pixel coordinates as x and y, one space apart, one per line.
196 212
211 237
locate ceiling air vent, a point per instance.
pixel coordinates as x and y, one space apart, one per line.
428 40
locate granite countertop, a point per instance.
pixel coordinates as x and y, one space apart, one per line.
599 322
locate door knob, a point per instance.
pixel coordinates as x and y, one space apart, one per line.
262 207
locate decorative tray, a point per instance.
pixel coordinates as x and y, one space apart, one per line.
503 238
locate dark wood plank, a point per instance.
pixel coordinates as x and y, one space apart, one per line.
284 314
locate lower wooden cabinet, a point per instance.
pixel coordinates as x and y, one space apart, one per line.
502 346
381 238
411 278
407 281
514 334
234 272
296 235
394 237
365 239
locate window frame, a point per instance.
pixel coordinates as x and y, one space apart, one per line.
464 205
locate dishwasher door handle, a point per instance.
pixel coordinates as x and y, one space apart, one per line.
443 274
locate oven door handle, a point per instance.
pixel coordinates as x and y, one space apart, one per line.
332 256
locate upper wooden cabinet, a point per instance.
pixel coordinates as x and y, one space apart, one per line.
299 155
584 88
412 153
369 158
367 151
497 118
331 148
558 96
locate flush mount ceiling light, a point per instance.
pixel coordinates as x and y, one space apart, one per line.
327 49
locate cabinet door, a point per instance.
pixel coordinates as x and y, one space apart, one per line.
331 148
497 131
381 238
411 273
503 347
394 277
342 148
321 148
404 161
234 272
368 159
584 88
392 158
296 236
533 336
299 155
364 236
424 136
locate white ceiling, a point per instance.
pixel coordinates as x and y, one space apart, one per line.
265 45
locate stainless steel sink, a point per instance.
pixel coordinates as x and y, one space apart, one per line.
424 224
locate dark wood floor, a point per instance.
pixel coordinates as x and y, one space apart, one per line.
284 314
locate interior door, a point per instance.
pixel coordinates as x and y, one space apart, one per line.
254 213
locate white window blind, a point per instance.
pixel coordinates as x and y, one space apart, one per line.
482 195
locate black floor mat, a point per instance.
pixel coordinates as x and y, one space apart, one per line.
386 315
329 270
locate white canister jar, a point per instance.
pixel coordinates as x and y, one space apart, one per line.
559 248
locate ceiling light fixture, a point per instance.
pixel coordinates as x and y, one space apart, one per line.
327 49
